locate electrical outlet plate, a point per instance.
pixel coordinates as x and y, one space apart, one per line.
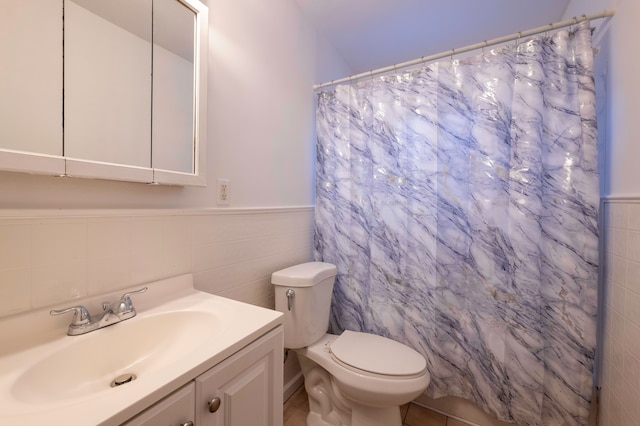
223 192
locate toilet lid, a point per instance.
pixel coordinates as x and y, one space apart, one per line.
377 354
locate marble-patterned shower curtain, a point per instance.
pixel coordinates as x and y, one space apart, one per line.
459 202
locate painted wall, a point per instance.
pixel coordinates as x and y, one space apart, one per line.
260 119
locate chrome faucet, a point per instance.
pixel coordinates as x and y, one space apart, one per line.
113 313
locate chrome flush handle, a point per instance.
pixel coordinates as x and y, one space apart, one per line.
290 295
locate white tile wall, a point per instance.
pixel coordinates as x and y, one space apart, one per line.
49 258
620 367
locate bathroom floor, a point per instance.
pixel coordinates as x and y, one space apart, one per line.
297 407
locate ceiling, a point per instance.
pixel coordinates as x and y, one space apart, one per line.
371 34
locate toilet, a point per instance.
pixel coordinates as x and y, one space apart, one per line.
354 379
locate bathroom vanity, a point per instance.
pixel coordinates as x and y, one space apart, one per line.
186 358
230 394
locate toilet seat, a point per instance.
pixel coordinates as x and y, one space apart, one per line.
377 354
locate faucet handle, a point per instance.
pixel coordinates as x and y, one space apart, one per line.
125 304
141 290
81 315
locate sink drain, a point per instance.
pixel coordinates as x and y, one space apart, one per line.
123 379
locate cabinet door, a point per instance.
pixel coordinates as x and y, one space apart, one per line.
175 410
31 83
246 388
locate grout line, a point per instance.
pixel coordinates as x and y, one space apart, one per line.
448 416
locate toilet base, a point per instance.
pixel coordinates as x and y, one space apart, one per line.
329 407
378 417
326 406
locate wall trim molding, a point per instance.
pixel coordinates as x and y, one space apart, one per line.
70 213
293 385
621 199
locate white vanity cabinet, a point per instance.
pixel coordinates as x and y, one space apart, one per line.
177 409
243 390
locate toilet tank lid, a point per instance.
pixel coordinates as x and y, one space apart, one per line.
304 274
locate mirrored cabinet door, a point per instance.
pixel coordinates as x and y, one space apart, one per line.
174 26
31 82
107 81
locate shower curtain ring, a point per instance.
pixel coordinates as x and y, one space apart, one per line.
583 17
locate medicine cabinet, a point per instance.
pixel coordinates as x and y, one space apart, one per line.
105 89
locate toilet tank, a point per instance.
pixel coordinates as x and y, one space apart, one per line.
306 309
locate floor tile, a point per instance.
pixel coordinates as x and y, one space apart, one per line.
296 409
420 416
403 411
296 419
454 422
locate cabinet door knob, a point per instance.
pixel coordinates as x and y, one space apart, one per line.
189 423
214 404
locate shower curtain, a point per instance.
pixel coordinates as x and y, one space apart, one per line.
459 202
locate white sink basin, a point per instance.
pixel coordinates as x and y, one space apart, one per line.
47 377
138 346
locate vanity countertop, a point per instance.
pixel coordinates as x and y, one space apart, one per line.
47 377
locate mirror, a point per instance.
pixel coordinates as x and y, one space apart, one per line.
31 85
107 81
134 80
173 86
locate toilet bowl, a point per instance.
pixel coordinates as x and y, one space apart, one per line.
371 397
352 379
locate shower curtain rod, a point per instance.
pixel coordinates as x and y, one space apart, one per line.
550 27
